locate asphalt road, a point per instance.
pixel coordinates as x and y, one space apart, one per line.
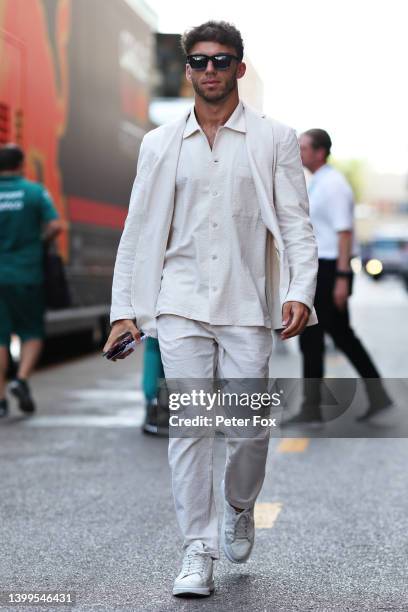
86 503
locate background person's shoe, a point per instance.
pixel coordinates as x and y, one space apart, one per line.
196 576
20 389
3 408
376 410
156 419
237 533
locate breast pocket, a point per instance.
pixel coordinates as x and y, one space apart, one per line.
245 202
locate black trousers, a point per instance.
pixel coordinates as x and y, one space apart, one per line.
336 323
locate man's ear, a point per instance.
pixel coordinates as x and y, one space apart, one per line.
188 72
241 70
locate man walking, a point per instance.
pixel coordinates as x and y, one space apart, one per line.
217 250
27 215
332 215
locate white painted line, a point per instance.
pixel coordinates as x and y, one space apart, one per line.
87 420
115 395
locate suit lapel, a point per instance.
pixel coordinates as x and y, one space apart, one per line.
261 156
155 224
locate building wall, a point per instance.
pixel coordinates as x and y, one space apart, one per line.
251 88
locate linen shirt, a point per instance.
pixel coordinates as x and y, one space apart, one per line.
214 267
331 210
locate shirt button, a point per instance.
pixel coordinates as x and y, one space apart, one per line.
215 224
216 161
214 257
215 193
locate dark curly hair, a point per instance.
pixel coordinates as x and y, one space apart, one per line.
214 31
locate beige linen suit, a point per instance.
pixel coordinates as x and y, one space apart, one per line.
273 155
201 349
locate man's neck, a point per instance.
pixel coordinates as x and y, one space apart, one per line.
213 115
318 168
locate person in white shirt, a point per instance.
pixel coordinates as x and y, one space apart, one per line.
332 214
217 250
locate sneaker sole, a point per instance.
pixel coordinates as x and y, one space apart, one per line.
154 430
200 591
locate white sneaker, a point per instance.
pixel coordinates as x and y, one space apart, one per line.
196 576
237 533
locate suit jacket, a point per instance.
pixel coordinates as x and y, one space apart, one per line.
274 159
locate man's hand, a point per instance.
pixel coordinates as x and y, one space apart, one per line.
119 328
294 318
341 292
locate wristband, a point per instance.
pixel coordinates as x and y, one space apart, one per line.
344 273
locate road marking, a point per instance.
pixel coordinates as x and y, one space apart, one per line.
293 445
266 514
125 418
111 395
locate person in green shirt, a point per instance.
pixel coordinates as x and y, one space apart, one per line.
27 217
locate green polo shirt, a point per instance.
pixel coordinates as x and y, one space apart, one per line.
24 209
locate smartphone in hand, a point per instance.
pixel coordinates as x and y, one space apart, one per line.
124 343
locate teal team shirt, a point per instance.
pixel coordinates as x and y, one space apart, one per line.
25 207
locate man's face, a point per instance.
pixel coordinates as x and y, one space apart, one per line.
312 158
307 152
210 84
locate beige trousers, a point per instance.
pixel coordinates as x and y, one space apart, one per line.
195 350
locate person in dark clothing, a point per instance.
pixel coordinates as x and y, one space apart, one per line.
157 412
332 214
27 217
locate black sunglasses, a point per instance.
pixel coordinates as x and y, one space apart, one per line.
221 61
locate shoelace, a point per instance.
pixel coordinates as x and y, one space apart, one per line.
195 562
239 529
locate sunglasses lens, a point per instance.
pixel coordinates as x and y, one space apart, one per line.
198 62
222 62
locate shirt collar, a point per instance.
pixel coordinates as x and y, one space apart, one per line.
235 122
191 125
